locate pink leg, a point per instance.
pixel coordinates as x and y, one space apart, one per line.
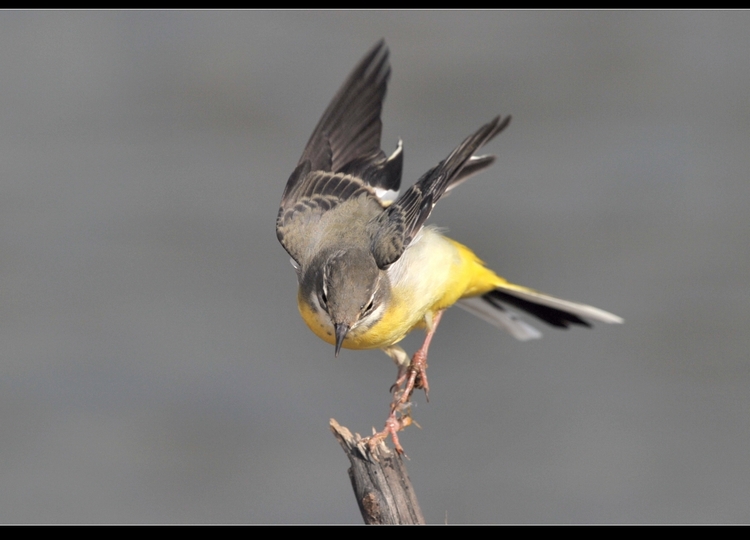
393 425
415 376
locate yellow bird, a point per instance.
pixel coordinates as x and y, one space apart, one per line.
369 271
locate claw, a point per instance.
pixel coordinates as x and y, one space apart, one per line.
392 426
411 377
417 378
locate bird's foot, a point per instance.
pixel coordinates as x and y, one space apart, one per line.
415 376
396 421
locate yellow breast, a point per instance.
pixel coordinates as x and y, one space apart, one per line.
433 273
390 329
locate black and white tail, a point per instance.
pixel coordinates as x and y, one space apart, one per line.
495 307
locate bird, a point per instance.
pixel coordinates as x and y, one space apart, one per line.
369 269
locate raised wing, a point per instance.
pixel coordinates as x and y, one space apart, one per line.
343 158
397 226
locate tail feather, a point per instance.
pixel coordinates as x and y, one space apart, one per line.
493 308
500 317
552 316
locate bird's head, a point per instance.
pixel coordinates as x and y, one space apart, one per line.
348 287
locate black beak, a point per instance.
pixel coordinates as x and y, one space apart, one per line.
341 331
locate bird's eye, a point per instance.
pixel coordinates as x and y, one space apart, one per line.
369 307
323 299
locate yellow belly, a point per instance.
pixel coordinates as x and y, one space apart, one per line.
432 274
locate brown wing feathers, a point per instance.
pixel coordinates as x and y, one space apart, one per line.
399 224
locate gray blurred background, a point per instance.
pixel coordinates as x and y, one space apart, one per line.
154 367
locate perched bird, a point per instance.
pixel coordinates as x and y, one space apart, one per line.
368 268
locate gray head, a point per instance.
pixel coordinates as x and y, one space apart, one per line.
348 286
